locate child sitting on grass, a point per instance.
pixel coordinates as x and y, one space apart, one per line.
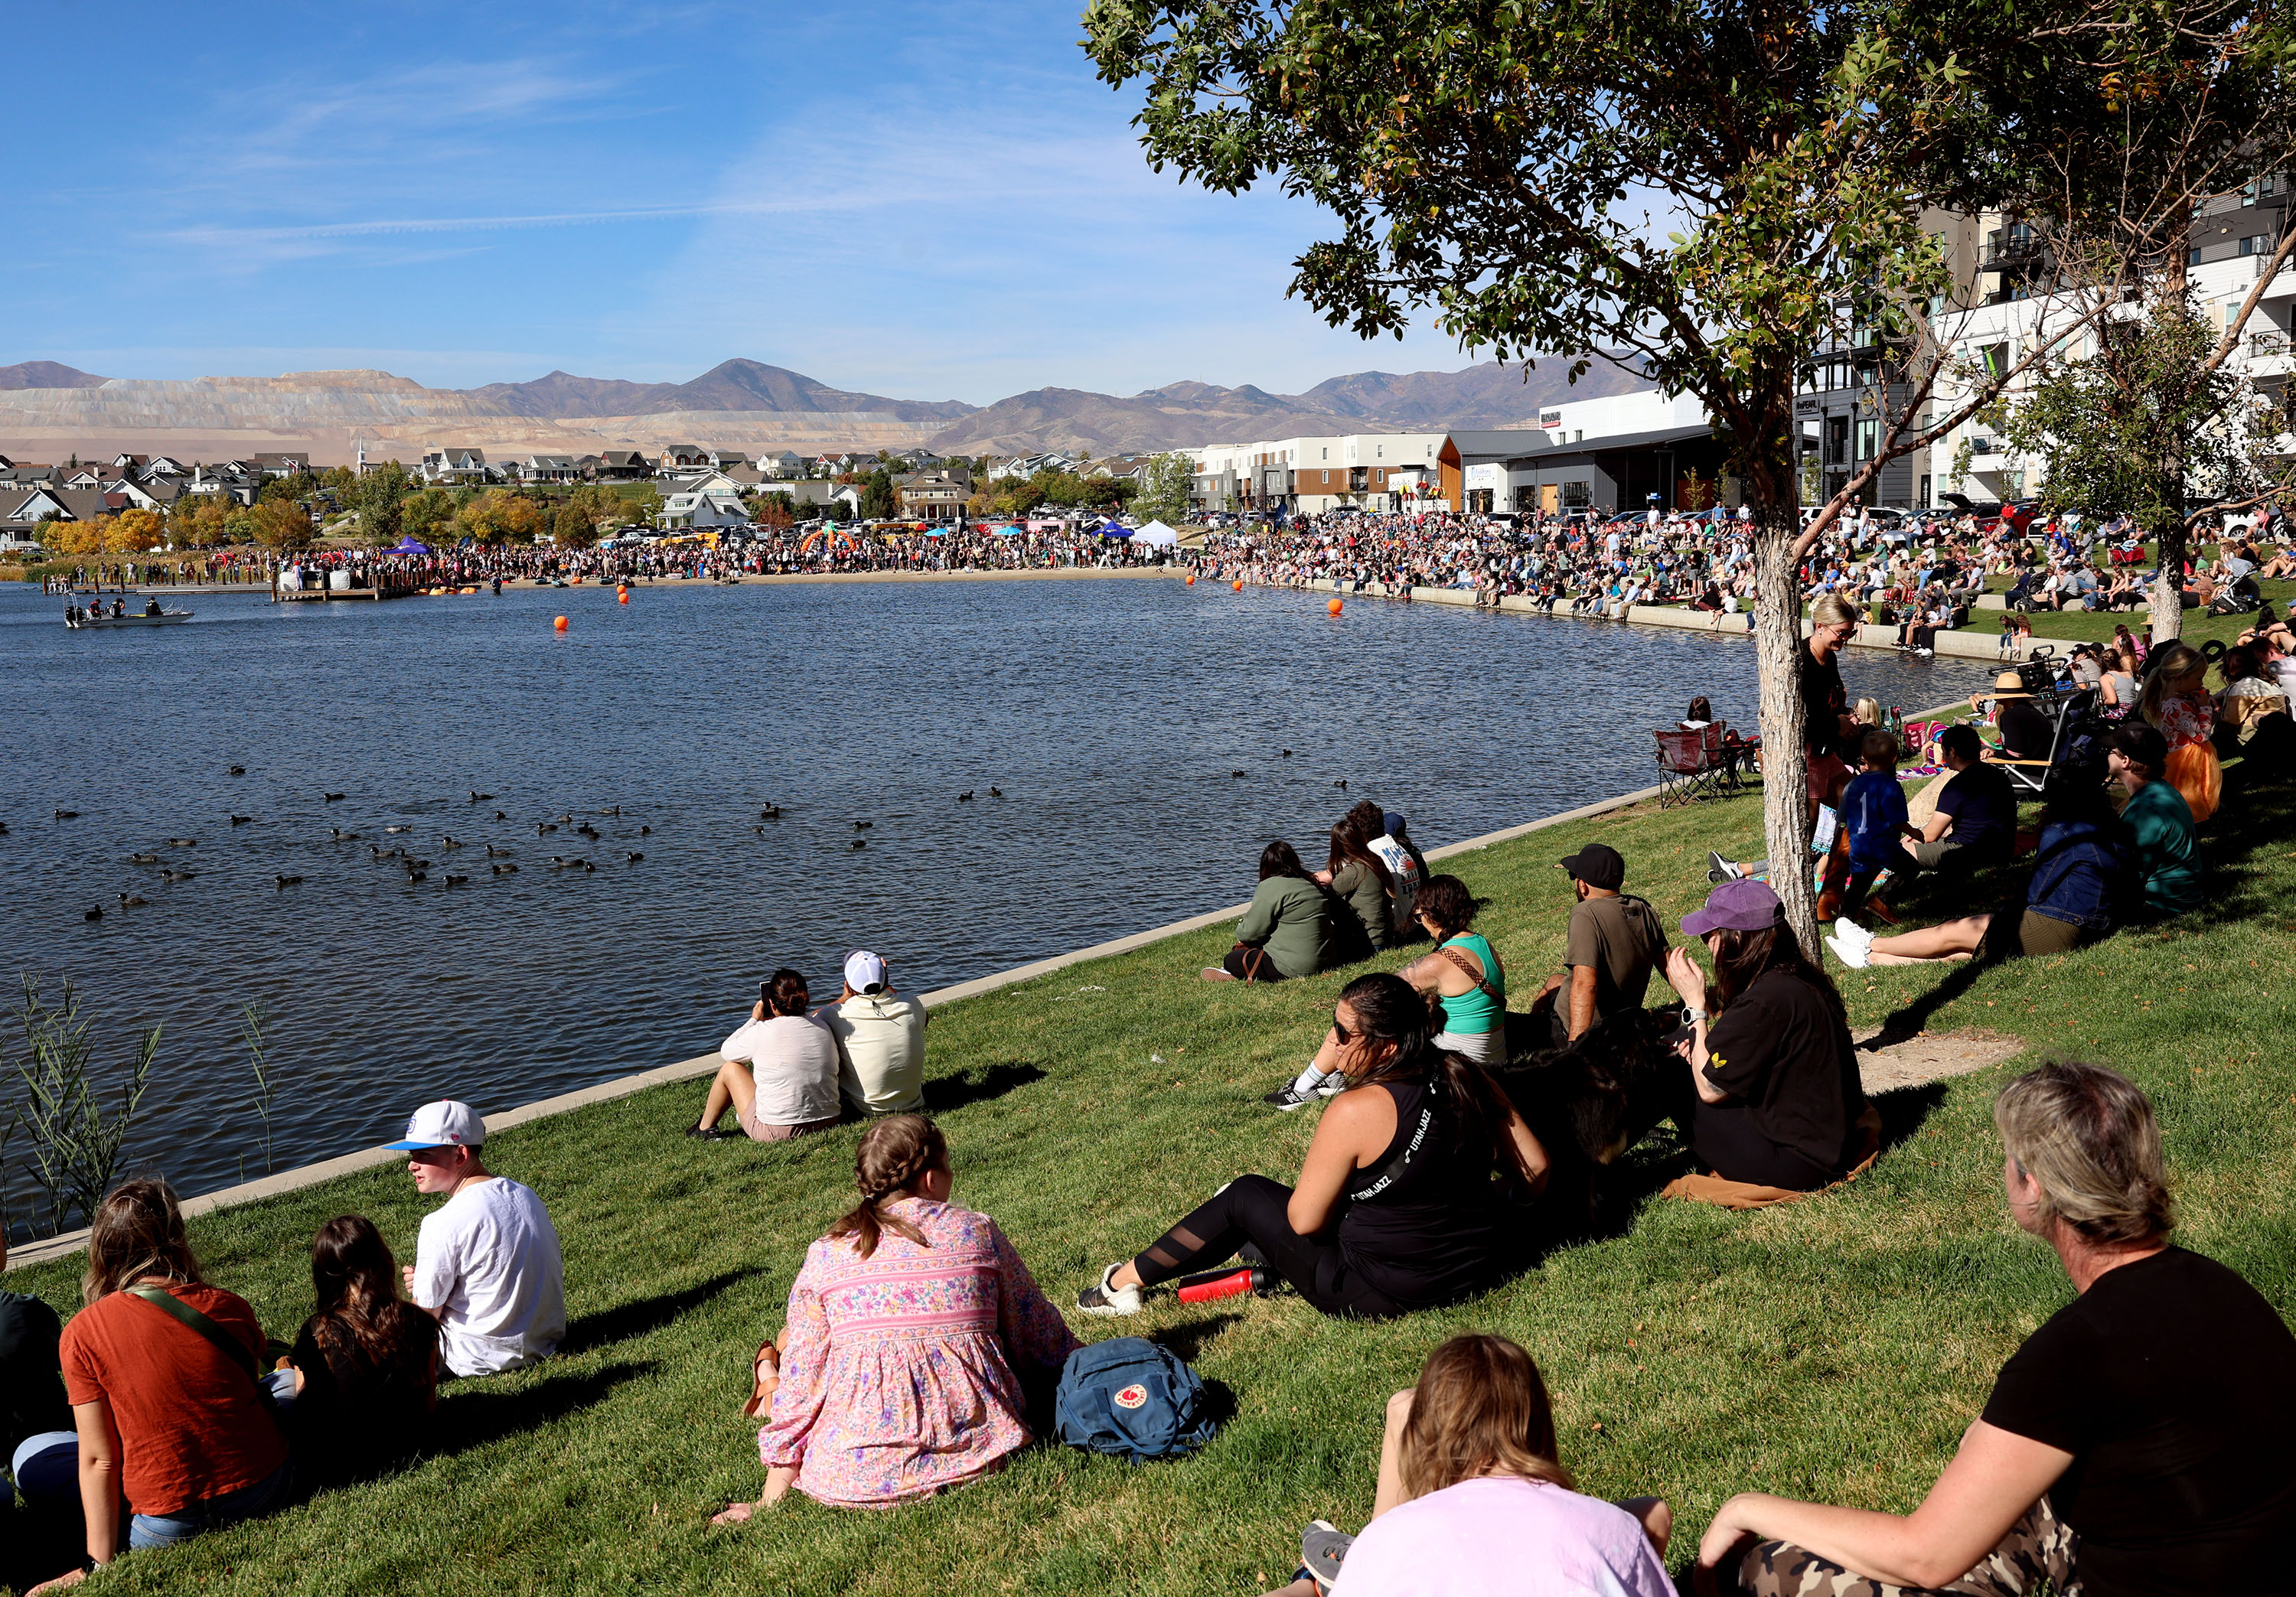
1873 815
1474 1499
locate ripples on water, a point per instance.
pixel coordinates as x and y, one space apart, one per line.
1111 713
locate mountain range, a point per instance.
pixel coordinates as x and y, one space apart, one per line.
740 402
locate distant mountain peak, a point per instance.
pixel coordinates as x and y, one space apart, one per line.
47 374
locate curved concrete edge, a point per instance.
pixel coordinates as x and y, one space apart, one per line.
1964 644
66 1243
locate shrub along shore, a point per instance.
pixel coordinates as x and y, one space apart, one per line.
1833 1348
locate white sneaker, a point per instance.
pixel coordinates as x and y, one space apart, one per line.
1852 944
1106 1300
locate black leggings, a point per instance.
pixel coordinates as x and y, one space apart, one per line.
1724 1136
1250 1210
1251 964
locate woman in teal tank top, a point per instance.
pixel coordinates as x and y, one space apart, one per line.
1463 973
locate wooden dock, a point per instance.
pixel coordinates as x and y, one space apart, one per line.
389 589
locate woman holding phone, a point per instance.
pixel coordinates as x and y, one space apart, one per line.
780 1071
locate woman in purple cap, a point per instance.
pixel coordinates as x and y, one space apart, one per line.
1777 1096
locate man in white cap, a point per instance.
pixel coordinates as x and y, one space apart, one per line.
486 1266
880 1040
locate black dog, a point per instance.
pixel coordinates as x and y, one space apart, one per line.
1590 1101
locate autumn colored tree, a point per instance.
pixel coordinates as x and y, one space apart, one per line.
133 531
282 524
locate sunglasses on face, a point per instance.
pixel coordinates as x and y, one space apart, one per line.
1340 1033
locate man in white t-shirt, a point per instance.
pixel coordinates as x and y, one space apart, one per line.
880 1040
486 1266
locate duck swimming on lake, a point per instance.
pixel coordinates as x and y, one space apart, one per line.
94 913
331 797
178 875
68 815
236 771
241 820
394 831
288 881
130 901
505 870
142 859
478 798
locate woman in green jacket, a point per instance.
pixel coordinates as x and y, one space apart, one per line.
1289 930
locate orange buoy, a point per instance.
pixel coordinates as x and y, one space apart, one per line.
560 624
1192 579
1237 585
1334 607
576 581
623 597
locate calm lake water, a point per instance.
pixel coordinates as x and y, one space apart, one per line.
1111 713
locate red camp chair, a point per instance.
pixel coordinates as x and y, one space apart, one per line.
1686 771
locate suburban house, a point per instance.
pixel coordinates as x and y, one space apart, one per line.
680 457
787 463
820 493
724 460
160 465
623 465
932 496
453 466
281 464
715 503
229 479
547 468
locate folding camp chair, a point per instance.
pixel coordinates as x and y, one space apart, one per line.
1723 751
1687 772
2065 711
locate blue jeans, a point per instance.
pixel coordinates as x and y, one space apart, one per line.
250 1503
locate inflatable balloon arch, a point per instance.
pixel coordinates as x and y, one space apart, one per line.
829 537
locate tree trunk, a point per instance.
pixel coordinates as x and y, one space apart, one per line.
1785 774
2169 586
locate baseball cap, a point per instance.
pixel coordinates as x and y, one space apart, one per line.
445 1124
1598 866
864 971
1741 905
1394 825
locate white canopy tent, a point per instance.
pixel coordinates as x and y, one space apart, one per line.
1157 533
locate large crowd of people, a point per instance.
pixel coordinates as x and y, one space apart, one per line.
2132 1445
1919 580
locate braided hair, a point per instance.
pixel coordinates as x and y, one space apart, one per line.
895 1154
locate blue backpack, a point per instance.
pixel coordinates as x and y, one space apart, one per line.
1127 1396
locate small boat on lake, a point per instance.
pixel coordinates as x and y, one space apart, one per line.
94 617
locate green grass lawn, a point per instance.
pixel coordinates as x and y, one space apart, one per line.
1835 1347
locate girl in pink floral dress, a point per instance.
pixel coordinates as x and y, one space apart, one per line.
909 1329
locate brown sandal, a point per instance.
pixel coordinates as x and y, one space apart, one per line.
763 1386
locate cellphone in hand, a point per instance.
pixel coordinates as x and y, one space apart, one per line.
762 987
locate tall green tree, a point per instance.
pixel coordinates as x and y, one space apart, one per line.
877 502
1706 194
377 497
1167 488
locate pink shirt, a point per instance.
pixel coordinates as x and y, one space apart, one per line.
1504 1536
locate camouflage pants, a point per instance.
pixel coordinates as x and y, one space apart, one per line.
2039 1547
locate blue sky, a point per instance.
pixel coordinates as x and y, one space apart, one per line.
931 201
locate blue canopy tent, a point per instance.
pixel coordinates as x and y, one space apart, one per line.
408 545
1008 532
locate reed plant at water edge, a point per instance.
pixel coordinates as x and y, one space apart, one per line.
76 1143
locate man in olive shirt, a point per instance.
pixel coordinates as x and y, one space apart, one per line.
1614 944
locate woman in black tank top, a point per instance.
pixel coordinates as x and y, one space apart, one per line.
1399 1205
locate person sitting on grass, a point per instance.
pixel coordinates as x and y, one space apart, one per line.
1290 929
913 1328
1774 1094
2158 820
1613 944
2082 876
2136 1444
487 1265
1473 1497
37 1439
779 1074
1874 814
880 1039
1397 1208
1359 879
1975 823
164 1399
1463 978
366 1364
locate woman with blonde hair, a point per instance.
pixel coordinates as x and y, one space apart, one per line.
2136 1444
160 1371
2176 700
1474 1499
911 1327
